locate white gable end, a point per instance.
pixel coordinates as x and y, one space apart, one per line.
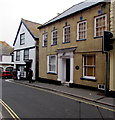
19 49
29 40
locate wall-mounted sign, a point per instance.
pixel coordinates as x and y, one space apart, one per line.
77 67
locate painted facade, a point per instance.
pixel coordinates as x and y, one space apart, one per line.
25 48
112 53
70 49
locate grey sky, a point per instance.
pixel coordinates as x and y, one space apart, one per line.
40 11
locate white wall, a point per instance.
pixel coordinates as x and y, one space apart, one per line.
112 53
32 56
6 58
29 42
112 69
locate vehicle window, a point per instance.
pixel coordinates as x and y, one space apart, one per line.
7 72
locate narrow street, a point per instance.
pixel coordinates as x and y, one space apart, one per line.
28 102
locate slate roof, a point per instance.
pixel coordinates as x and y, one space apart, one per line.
74 9
32 27
5 49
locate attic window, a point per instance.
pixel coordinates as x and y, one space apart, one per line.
22 39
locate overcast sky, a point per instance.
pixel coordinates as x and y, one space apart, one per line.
40 11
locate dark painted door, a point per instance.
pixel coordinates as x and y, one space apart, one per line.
28 65
67 70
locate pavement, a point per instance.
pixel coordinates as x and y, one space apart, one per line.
82 93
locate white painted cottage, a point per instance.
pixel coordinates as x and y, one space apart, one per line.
25 48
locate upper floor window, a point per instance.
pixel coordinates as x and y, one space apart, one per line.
22 38
54 37
81 30
17 55
51 63
100 25
66 34
26 54
45 39
89 66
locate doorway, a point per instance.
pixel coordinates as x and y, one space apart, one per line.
28 65
67 70
65 67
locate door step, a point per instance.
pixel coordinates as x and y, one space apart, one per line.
66 84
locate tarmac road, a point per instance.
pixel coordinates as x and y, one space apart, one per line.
28 102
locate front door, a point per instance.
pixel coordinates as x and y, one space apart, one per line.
65 67
28 65
67 70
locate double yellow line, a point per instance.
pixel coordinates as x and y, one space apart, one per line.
10 111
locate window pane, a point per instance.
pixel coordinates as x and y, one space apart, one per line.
53 67
53 59
100 25
52 63
89 66
26 54
89 71
90 60
82 30
67 34
54 37
17 55
22 38
50 68
45 38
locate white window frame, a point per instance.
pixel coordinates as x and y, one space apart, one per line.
84 30
48 60
44 35
18 55
53 37
87 77
100 26
26 56
22 39
68 26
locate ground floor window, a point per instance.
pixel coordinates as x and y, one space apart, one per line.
51 63
21 68
89 66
